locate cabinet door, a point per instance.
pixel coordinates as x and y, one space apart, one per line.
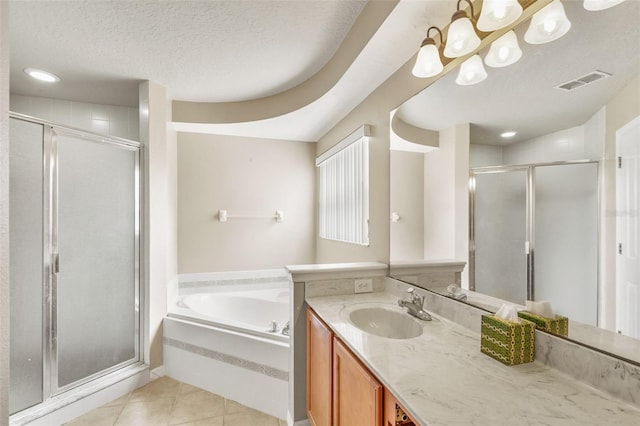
319 358
357 395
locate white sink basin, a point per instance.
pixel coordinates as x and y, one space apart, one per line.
385 323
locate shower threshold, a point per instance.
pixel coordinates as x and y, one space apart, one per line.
75 402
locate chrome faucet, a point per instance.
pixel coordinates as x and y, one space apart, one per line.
414 304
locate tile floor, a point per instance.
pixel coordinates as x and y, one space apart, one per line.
165 401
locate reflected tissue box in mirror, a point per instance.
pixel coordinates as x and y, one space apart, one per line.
509 342
557 325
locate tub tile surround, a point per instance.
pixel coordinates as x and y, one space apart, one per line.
223 281
443 370
244 369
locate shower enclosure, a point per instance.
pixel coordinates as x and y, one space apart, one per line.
75 259
534 235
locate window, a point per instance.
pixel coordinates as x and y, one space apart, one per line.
344 189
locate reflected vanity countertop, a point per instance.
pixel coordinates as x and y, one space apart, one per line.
442 378
604 340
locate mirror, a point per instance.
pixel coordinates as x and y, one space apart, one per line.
535 215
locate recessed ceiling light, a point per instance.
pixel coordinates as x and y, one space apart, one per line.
42 75
508 134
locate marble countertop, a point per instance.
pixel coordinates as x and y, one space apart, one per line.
442 378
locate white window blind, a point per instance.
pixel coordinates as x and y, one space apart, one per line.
344 190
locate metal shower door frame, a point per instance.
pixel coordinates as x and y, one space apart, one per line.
50 251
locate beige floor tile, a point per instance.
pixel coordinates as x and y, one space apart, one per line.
163 387
250 418
103 416
118 402
141 413
195 406
282 422
232 407
212 421
186 388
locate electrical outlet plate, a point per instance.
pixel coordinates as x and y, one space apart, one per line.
363 285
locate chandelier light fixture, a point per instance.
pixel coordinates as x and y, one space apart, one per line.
548 24
428 63
595 5
496 14
504 51
471 71
461 38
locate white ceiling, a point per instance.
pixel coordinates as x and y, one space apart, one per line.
221 51
214 51
521 97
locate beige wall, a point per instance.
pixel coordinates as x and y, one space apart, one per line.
623 108
4 213
446 207
246 177
407 199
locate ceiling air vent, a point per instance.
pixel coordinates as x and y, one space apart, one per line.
583 81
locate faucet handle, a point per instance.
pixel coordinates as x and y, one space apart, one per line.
413 296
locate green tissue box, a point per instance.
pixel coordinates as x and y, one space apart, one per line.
508 342
558 325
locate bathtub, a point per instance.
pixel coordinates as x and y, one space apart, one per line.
219 335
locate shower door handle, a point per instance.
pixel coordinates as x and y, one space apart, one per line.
55 263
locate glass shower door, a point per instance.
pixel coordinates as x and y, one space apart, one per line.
96 241
566 237
26 193
500 234
75 261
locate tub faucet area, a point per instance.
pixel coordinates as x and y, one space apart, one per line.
414 305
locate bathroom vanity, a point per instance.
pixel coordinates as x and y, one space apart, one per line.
438 377
340 389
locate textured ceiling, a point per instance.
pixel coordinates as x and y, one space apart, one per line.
521 97
392 46
215 51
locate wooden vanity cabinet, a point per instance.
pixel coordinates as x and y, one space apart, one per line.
319 370
341 391
357 395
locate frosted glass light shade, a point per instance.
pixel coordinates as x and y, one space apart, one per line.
471 71
548 24
504 51
428 62
461 38
498 14
595 5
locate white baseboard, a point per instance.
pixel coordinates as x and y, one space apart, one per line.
290 421
157 372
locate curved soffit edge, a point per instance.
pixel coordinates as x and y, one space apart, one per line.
409 138
366 25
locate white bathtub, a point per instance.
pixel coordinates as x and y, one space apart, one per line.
249 311
217 336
